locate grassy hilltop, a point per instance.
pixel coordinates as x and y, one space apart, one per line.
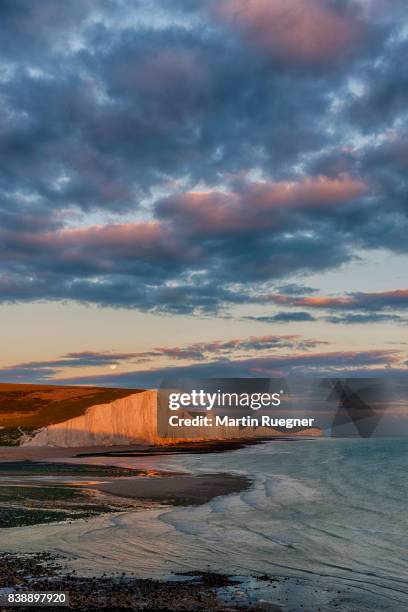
29 407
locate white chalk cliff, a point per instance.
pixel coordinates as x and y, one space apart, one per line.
130 420
123 421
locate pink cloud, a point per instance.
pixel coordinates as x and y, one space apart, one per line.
260 204
201 350
375 300
296 31
143 240
313 301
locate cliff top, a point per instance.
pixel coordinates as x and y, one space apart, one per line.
35 406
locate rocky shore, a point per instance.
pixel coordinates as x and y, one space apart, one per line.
40 572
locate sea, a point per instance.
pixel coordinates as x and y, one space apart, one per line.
325 515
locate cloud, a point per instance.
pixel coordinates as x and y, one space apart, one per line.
300 363
33 371
283 317
362 363
197 351
354 308
295 289
296 32
397 299
259 207
359 318
191 157
29 28
384 94
101 263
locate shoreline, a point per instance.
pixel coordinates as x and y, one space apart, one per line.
45 489
177 490
49 453
284 585
107 487
192 590
195 590
89 489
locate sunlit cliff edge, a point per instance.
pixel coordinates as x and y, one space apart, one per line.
73 416
124 421
133 419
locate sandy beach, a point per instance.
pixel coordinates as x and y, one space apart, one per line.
176 490
47 484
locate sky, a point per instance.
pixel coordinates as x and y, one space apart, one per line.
204 188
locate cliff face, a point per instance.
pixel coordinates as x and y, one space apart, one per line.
131 420
123 421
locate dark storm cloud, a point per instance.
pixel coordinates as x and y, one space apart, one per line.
109 107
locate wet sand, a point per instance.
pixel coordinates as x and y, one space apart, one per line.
49 453
35 492
180 490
